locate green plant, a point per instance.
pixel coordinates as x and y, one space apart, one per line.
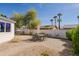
69 34
34 24
15 40
45 53
19 20
29 16
75 40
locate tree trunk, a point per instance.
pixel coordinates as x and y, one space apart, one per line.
52 23
59 22
38 29
55 22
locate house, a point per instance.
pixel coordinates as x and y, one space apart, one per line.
69 26
47 27
6 29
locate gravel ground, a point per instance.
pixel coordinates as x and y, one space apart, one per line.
24 47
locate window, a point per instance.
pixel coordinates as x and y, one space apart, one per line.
8 27
2 26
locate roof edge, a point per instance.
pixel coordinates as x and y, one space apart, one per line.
7 19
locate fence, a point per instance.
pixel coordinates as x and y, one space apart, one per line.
56 33
50 33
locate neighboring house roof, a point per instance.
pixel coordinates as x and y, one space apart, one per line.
47 27
7 19
69 26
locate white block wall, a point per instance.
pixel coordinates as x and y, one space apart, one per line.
7 36
57 33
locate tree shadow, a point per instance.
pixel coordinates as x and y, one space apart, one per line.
68 48
68 51
31 40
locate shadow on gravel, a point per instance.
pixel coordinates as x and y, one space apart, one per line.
68 48
31 40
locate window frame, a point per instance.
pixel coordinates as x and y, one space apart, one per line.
5 31
6 27
3 26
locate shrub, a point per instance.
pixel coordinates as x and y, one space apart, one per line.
75 40
69 34
45 53
15 40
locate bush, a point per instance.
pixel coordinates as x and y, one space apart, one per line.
45 53
69 34
16 40
75 40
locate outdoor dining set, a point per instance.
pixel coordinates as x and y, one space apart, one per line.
39 36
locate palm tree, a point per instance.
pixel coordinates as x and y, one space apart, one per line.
78 19
51 21
59 19
55 18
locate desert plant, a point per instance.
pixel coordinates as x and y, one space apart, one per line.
34 24
45 53
29 16
69 34
75 40
15 40
19 20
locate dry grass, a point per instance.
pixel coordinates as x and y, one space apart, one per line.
16 39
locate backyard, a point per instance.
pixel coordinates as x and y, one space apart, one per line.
32 34
22 45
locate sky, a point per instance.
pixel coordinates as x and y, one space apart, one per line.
45 11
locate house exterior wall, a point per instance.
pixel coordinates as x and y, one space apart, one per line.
7 36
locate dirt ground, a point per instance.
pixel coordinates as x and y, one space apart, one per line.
23 46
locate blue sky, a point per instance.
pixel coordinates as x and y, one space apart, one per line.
44 11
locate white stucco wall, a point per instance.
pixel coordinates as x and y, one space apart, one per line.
7 36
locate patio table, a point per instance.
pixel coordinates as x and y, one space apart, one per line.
39 36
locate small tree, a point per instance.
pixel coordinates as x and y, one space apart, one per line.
33 24
29 16
19 19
